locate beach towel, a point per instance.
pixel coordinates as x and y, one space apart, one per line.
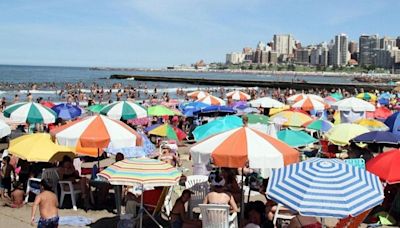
75 221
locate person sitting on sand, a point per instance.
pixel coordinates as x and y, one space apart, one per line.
179 217
17 196
48 207
219 195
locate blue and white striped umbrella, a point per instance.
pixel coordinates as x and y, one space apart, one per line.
325 188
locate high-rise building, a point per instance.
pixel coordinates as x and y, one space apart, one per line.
319 55
302 56
340 53
398 42
248 54
234 58
273 57
368 44
284 45
353 47
387 43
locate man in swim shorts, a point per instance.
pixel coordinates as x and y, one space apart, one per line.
48 207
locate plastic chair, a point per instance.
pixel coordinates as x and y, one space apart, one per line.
52 178
198 184
286 215
217 216
70 191
167 206
29 188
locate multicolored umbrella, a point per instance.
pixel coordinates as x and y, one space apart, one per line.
197 94
367 96
353 104
67 111
293 119
386 166
382 113
212 100
161 110
308 104
29 112
237 147
383 137
266 102
341 134
319 125
295 138
168 131
96 108
298 97
325 188
372 125
5 129
238 96
217 126
124 110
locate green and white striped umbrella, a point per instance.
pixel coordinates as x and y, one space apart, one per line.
125 110
29 112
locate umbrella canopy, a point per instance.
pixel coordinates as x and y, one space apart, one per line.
38 147
212 100
382 113
393 122
197 94
96 108
4 129
266 102
330 100
295 138
341 134
274 111
325 188
145 150
383 137
298 97
319 125
96 132
386 166
48 104
237 147
257 118
168 131
67 111
338 96
353 104
188 108
367 96
160 110
217 126
124 110
308 104
214 110
238 96
29 112
293 119
372 125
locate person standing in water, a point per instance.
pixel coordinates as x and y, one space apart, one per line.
48 207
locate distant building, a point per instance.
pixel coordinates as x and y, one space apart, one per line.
319 55
302 56
340 53
235 58
353 49
368 45
248 54
387 58
398 42
387 43
273 57
260 56
284 46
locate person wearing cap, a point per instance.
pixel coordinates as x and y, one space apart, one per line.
219 195
179 217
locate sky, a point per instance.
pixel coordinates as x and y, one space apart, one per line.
160 33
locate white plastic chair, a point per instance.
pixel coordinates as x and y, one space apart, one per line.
198 184
217 216
167 206
67 188
30 189
285 216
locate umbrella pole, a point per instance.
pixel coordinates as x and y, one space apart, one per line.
242 199
142 209
98 159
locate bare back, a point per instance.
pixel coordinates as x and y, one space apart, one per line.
48 204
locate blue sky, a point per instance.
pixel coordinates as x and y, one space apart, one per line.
158 33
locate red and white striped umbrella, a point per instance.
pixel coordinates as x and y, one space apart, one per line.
298 97
212 100
236 147
198 94
308 104
238 96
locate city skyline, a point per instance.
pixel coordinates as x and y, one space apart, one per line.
159 33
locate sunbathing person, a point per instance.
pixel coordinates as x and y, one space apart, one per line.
17 196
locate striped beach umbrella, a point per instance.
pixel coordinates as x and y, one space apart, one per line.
372 125
197 94
212 100
319 125
308 104
238 96
124 110
166 130
67 111
237 147
298 97
325 188
29 112
292 118
97 132
96 108
5 129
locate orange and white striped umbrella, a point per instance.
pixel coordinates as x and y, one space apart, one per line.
96 132
236 147
238 96
198 94
308 104
212 100
298 97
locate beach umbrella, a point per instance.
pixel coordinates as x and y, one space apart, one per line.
124 110
238 95
29 112
38 147
217 126
144 172
295 138
257 118
266 102
382 137
212 100
382 113
160 110
67 111
298 97
293 119
168 131
98 132
323 188
240 105
367 96
372 125
393 122
189 107
338 96
341 134
4 129
308 104
330 100
386 166
319 125
353 104
239 146
139 121
48 104
274 111
197 94
96 108
214 110
145 150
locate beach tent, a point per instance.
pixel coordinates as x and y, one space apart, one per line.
352 109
